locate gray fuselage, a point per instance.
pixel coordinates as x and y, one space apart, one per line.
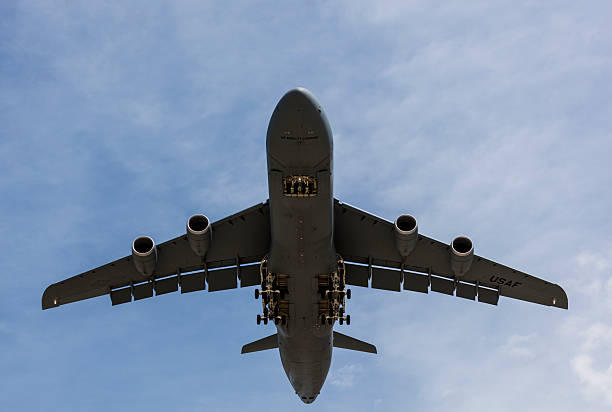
299 143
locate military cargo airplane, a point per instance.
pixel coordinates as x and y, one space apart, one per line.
302 248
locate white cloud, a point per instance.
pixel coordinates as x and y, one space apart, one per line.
596 380
346 376
519 346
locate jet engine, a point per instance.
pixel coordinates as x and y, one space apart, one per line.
144 255
199 234
462 254
406 234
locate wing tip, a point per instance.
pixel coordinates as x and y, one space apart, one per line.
49 300
561 301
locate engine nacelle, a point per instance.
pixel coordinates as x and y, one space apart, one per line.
406 234
462 254
199 234
144 255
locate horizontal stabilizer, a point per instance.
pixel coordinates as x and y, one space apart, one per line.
269 342
346 342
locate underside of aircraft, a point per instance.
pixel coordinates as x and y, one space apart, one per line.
301 249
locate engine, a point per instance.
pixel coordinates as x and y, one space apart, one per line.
462 254
199 234
406 234
144 255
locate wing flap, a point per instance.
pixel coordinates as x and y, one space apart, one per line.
386 279
357 275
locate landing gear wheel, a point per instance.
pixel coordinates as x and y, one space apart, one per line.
259 319
265 321
348 319
330 320
348 294
256 293
341 320
276 321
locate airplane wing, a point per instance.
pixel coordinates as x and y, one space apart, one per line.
368 242
236 240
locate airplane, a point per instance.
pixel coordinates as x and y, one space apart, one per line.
302 247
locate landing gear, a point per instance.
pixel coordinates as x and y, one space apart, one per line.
334 295
274 287
258 319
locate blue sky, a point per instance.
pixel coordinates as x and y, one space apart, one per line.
485 118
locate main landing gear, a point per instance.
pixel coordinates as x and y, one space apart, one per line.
333 296
272 293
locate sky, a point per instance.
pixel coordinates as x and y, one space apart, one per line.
490 119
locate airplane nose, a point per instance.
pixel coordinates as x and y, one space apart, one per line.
308 398
298 99
298 132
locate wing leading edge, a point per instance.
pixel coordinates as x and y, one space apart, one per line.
237 240
365 239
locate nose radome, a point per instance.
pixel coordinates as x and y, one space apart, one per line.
308 398
299 98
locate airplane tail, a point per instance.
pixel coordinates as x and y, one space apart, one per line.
269 342
340 341
346 342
